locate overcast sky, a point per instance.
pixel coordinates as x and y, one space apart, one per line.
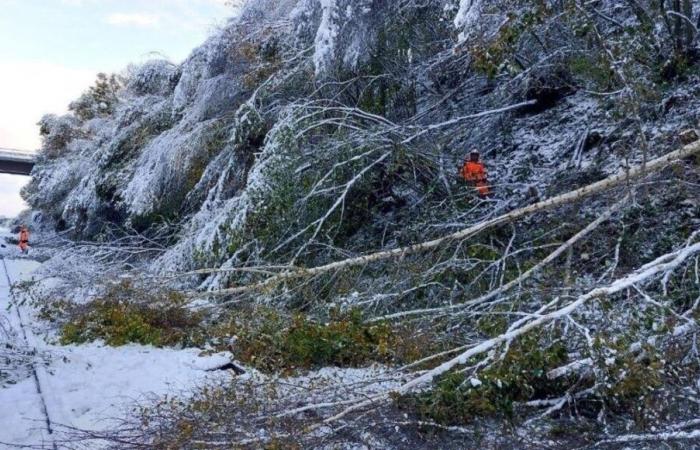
51 50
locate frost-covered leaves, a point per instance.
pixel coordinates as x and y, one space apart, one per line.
115 156
57 133
127 314
99 100
155 77
255 411
348 35
309 132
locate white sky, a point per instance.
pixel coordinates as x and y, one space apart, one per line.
51 50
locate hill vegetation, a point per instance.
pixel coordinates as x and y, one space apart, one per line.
290 193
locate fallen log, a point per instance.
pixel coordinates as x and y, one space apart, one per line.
624 176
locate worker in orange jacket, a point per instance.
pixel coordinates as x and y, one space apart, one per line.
24 239
474 173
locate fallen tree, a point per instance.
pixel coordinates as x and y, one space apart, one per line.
660 267
517 281
624 176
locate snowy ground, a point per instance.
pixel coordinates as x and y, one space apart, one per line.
85 386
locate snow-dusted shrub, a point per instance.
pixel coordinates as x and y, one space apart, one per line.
56 133
520 376
221 197
209 60
241 413
155 77
285 208
126 314
216 97
99 100
311 159
52 182
273 341
169 166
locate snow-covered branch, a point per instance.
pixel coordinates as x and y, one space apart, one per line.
563 199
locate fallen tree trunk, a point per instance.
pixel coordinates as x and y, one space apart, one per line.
664 264
578 194
660 266
517 281
667 436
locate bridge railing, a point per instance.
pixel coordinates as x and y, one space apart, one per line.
16 155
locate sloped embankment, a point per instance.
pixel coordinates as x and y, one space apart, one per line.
263 176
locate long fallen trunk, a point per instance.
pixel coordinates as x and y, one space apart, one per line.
569 197
659 267
666 263
513 283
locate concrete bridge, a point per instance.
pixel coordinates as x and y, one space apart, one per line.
16 162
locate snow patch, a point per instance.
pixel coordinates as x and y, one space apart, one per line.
467 16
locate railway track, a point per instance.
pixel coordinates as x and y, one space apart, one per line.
40 388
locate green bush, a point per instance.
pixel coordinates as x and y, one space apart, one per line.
630 378
126 315
520 376
100 99
592 68
273 342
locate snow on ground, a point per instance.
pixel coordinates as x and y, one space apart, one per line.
87 386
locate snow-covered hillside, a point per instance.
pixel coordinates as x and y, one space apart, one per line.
294 193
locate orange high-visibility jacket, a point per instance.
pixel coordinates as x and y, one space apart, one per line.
23 239
475 172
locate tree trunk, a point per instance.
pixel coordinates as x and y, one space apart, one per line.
563 199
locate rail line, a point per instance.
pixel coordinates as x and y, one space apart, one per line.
35 374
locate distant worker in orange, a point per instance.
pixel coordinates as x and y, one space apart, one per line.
474 173
24 239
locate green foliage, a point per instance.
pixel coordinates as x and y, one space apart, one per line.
276 214
129 144
520 376
389 90
100 99
490 57
390 97
677 67
287 215
54 311
274 342
128 315
170 207
628 377
653 227
56 133
594 69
